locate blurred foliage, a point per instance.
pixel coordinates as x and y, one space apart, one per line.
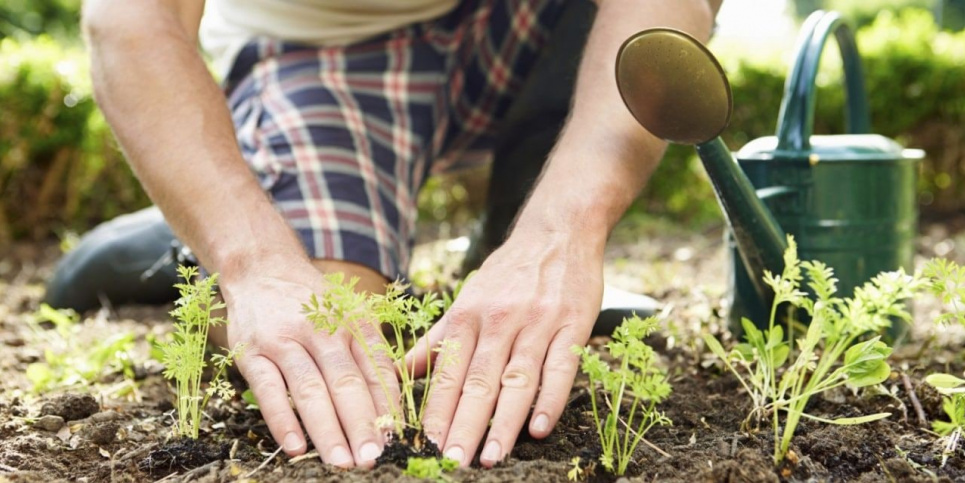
915 79
59 165
60 168
26 18
950 14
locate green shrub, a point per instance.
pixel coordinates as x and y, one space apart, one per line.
59 165
60 168
915 79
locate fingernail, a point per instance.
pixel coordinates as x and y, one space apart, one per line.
369 452
541 423
492 452
293 442
455 453
340 457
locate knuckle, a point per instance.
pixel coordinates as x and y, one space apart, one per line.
310 387
498 313
522 372
348 380
444 381
478 386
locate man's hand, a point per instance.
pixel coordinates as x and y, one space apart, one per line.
332 384
515 321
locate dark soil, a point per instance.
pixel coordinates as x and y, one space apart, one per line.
93 434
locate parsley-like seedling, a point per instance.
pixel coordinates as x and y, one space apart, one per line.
842 344
946 280
637 379
953 403
70 364
430 468
184 355
363 316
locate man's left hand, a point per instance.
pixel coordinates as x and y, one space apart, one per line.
515 322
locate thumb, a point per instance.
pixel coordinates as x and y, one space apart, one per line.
417 359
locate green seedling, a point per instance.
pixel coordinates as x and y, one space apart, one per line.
369 318
184 354
946 280
70 364
953 403
637 379
576 472
841 346
430 468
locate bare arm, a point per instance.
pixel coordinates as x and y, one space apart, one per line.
539 294
173 123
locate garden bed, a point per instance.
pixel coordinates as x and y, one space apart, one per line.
115 433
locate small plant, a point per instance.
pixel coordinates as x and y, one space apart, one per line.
637 379
953 403
430 468
831 353
576 472
946 280
70 364
341 307
184 354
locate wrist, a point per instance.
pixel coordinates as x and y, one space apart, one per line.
563 219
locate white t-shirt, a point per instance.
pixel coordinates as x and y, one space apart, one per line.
228 25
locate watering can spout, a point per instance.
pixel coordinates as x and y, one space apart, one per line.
677 90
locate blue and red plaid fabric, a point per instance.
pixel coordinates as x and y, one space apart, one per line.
342 138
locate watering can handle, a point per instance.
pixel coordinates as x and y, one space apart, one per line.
796 120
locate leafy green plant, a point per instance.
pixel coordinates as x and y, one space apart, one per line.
395 313
841 346
71 364
576 472
953 403
946 280
637 379
184 354
430 468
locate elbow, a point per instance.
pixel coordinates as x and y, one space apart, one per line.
121 22
97 20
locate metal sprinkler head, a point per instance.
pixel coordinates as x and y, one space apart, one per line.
673 86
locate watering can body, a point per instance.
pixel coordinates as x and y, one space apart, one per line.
849 200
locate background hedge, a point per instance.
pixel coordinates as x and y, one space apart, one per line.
915 79
59 166
60 169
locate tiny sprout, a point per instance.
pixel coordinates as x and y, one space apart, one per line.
576 471
637 378
183 355
372 316
430 468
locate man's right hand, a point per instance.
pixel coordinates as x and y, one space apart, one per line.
332 383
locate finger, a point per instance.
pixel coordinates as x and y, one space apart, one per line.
350 394
417 359
311 397
446 382
383 386
519 384
479 393
269 389
559 371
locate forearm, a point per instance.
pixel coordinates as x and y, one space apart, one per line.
604 157
173 124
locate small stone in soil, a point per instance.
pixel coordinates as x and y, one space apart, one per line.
71 407
49 423
100 433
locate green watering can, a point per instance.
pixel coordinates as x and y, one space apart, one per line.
849 200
